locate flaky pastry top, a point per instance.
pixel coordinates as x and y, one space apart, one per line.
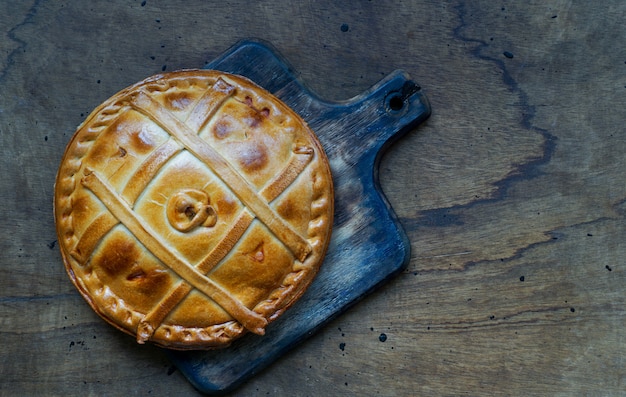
192 207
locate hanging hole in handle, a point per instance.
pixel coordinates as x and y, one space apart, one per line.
394 103
397 102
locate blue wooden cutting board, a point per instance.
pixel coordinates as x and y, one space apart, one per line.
368 245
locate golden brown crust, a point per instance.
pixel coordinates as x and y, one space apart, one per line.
192 207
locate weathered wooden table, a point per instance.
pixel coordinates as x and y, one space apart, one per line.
512 193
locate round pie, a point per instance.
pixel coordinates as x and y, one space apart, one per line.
192 207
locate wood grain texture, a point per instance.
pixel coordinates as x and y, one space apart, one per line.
512 194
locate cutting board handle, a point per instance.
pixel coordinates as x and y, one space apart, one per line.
380 115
